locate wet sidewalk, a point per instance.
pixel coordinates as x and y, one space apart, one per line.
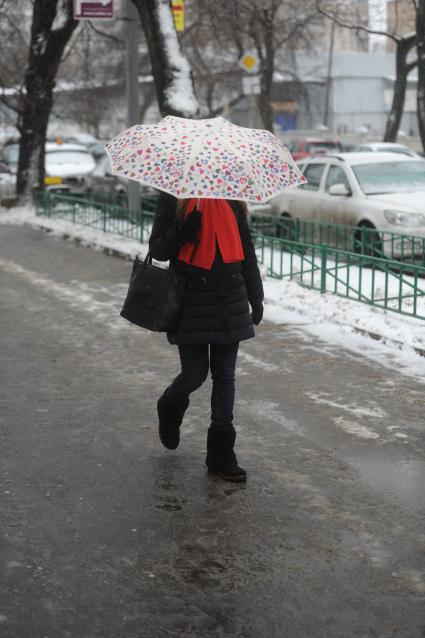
106 534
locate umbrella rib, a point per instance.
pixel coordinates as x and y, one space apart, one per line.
225 143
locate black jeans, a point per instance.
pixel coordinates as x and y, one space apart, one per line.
196 361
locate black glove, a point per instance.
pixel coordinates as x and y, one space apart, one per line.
257 314
191 226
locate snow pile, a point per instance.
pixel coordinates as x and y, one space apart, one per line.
338 320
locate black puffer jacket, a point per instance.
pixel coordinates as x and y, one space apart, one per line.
215 307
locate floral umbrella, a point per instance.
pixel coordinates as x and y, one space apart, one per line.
210 158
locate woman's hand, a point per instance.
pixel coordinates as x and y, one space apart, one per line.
257 314
191 226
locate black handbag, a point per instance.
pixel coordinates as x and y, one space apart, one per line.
155 296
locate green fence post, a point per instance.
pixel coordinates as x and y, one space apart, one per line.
297 229
323 267
104 218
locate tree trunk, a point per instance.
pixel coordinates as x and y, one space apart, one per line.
420 44
266 71
46 48
171 70
402 70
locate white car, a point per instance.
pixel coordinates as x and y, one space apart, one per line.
381 191
7 185
67 166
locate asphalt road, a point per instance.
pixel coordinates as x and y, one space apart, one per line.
105 534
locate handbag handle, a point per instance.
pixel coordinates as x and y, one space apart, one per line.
148 259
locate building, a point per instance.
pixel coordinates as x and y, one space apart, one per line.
343 39
359 98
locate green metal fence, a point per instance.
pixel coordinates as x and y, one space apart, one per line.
358 239
358 275
391 285
106 217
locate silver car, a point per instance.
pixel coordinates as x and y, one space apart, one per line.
383 191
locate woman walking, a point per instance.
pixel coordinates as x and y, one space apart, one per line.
210 244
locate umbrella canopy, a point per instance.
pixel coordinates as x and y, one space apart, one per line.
210 158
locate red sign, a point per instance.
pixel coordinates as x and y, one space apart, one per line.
93 9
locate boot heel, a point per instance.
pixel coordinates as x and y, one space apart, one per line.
221 458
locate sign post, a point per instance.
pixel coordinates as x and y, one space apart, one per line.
132 82
250 63
104 10
93 9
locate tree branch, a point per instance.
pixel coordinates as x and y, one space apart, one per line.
355 27
104 34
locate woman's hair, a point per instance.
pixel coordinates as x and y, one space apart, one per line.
182 204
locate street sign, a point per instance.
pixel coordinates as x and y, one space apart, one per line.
249 62
93 9
251 85
177 7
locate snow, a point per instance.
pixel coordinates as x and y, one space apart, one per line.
339 321
180 95
61 17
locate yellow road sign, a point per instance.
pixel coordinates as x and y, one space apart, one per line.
249 62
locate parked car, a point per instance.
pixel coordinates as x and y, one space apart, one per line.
312 146
93 145
10 153
67 166
105 187
378 191
385 147
7 185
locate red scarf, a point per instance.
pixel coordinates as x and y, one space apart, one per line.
219 226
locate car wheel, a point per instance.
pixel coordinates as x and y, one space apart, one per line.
367 240
285 228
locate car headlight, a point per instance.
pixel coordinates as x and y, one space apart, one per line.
400 218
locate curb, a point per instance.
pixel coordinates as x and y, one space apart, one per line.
377 337
111 252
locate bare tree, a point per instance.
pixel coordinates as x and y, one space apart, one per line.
276 27
51 30
420 45
403 45
15 31
171 70
269 27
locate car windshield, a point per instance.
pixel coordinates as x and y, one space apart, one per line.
394 149
390 177
68 157
11 152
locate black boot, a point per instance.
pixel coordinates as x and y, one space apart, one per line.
221 458
170 415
